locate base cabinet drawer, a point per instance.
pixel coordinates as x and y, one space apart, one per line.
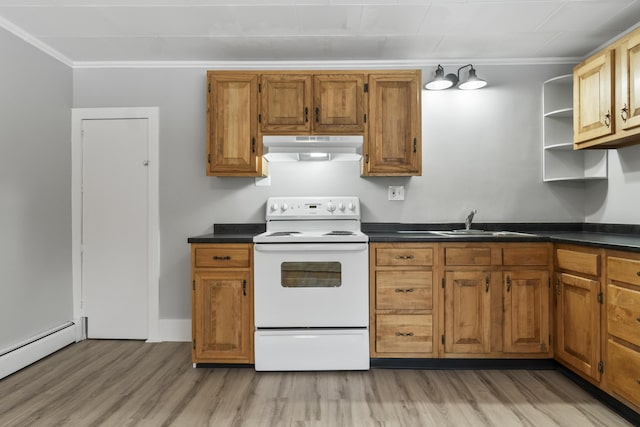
623 313
580 262
624 270
404 333
623 372
404 290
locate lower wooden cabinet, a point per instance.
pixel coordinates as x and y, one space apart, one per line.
222 303
578 311
401 300
496 300
622 365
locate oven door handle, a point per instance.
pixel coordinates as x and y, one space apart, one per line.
316 247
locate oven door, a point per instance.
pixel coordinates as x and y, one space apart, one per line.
302 285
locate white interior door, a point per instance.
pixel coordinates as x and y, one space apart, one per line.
115 227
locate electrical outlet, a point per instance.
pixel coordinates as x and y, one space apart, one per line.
396 192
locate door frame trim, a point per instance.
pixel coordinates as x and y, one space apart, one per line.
151 114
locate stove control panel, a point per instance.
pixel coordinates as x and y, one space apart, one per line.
347 207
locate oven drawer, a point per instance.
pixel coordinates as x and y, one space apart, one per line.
222 257
404 256
404 333
404 290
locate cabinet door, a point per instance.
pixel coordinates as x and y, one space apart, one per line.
629 77
526 311
232 111
223 317
338 103
592 98
578 322
467 311
285 101
394 145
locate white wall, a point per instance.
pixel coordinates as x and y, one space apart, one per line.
35 192
617 200
481 150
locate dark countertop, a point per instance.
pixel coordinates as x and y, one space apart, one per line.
608 236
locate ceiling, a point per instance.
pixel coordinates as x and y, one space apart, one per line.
85 31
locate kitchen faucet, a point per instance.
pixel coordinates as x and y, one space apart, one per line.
469 220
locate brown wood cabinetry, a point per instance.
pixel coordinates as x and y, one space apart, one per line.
319 103
394 145
622 367
578 302
607 97
496 300
401 299
222 303
382 106
233 148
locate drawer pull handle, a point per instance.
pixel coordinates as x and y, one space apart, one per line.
404 291
404 256
638 273
637 319
404 334
222 258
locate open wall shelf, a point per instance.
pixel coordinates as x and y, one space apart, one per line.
559 161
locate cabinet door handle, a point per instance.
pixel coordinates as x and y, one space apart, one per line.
244 288
222 258
404 256
486 284
317 114
306 114
624 112
415 144
557 286
508 284
253 145
404 291
607 119
404 334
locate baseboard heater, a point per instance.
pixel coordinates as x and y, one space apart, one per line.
24 354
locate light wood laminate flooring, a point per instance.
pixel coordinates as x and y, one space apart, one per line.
131 383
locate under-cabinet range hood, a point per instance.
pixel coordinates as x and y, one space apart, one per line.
283 148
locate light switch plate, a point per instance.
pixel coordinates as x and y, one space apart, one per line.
396 192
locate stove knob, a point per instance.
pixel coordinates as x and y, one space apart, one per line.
341 206
352 207
274 207
284 207
331 207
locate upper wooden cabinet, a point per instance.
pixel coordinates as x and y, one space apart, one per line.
324 103
593 95
394 146
607 98
232 125
382 106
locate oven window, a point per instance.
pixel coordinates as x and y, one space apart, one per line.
311 274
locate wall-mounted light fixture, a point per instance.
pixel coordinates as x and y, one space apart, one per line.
440 81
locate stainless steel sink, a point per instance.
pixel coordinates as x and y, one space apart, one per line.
461 233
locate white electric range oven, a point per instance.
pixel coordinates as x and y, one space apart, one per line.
311 286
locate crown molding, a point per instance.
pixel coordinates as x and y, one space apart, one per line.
35 42
320 65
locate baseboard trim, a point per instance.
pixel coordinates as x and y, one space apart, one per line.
36 348
176 330
392 363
